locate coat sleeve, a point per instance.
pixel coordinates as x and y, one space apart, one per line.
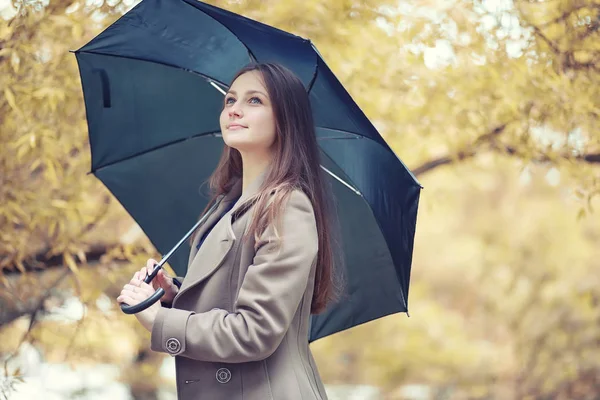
269 296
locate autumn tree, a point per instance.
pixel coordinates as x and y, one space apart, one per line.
444 82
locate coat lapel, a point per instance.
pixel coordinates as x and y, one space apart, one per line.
210 221
203 263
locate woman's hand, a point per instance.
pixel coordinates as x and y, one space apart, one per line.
162 279
134 293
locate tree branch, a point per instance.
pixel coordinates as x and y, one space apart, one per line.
461 155
32 307
488 139
566 14
549 42
438 162
590 158
40 261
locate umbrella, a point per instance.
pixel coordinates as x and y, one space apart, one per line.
153 86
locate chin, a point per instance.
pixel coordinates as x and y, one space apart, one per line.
234 141
239 145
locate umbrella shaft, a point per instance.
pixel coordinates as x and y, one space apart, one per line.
166 257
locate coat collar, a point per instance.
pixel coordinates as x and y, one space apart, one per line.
213 258
224 201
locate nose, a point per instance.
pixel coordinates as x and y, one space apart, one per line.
235 111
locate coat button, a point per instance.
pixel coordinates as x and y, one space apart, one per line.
173 346
223 375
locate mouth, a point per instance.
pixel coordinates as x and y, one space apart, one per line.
235 127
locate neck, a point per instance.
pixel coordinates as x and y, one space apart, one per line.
252 166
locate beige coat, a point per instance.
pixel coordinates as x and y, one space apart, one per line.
239 325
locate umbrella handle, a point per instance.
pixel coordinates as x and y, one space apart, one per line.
127 309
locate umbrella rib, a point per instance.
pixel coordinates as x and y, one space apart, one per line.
347 134
353 135
216 134
316 73
342 181
206 77
141 153
400 280
218 88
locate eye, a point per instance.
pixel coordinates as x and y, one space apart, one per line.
255 100
229 100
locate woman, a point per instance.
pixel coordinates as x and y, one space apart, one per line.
263 261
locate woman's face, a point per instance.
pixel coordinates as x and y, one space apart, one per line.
247 120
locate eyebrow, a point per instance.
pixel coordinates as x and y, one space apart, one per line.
248 92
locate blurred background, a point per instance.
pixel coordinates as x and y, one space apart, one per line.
495 106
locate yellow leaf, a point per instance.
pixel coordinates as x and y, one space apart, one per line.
52 228
5 31
77 31
51 172
10 98
61 20
20 141
20 265
70 262
59 203
17 210
40 93
15 61
36 163
21 152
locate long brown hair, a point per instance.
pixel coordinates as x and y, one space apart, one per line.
295 165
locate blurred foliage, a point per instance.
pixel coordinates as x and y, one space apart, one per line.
503 93
504 293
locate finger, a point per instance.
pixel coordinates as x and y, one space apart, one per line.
151 263
146 289
162 278
166 280
138 297
165 274
128 292
136 290
156 283
149 270
127 300
133 288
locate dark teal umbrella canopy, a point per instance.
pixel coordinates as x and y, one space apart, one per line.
152 85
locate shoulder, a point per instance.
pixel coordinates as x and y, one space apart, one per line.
293 224
299 228
298 214
299 200
294 201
